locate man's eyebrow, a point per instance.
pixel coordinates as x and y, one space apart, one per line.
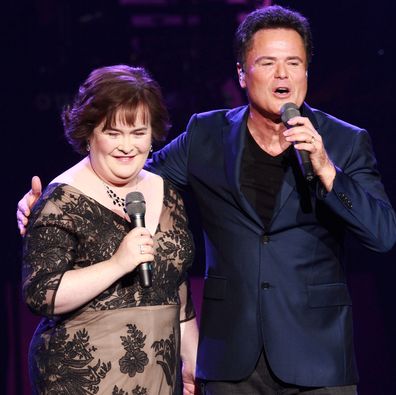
265 57
294 58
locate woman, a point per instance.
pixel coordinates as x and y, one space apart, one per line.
101 332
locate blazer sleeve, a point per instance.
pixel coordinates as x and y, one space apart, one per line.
359 198
171 162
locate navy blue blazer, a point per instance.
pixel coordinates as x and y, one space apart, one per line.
282 287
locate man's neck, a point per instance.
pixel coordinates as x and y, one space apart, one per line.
267 133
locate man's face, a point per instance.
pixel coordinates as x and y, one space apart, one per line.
275 71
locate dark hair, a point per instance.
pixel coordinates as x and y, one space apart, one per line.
271 17
108 90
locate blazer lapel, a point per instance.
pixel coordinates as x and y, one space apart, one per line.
288 186
289 180
234 135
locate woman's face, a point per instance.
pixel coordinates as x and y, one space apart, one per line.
118 153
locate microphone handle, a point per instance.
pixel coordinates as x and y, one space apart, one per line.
145 275
305 164
288 111
145 268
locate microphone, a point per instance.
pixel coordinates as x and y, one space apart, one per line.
288 111
136 208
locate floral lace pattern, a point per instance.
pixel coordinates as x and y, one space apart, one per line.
135 359
65 362
126 338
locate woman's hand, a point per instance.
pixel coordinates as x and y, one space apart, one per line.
79 286
136 247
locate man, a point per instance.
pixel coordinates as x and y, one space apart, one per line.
276 315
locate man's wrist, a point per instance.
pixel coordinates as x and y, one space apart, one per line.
327 176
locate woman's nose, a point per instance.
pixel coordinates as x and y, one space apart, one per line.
126 145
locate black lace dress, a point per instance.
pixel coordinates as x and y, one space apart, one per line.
126 341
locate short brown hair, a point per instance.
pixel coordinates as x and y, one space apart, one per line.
271 17
108 90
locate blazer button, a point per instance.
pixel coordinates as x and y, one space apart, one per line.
347 202
265 239
265 285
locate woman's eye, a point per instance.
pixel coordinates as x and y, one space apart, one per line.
139 133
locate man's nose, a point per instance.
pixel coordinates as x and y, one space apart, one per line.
281 71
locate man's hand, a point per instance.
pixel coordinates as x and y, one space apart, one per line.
188 353
189 385
26 203
304 136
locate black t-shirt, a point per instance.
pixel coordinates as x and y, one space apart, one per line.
262 176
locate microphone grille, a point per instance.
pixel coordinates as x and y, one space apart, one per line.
135 204
288 111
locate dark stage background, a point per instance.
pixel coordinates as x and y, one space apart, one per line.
49 47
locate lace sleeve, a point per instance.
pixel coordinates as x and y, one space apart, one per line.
187 311
175 226
48 251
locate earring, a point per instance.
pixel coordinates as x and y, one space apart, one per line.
151 148
88 147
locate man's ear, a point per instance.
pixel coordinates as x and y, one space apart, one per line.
241 75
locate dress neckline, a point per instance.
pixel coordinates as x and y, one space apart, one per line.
114 214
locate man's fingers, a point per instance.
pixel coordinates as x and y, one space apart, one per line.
22 228
21 221
21 218
26 203
32 196
23 205
36 186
